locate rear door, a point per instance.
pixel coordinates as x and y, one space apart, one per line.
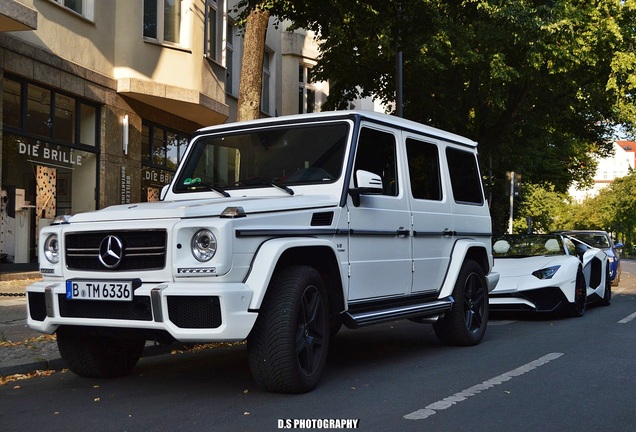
432 218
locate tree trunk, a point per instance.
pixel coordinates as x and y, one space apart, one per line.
249 100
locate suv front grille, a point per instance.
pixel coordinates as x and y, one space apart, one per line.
133 250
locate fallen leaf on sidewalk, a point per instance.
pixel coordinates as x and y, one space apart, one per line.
17 377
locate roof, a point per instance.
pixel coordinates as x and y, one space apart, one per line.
351 114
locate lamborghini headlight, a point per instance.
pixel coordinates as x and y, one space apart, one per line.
546 273
203 245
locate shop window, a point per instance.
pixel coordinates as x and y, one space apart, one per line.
11 103
49 160
38 120
162 149
88 124
64 118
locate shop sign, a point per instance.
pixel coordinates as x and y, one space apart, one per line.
42 153
124 187
156 177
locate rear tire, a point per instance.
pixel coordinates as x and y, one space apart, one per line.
465 324
607 295
580 296
95 356
287 348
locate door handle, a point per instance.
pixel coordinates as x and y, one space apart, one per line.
448 233
401 232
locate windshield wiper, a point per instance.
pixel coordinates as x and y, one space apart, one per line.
214 188
252 181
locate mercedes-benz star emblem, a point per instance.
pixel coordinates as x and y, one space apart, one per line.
111 251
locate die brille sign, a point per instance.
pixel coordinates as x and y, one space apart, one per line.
50 154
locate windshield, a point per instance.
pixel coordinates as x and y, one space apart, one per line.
513 246
279 156
597 240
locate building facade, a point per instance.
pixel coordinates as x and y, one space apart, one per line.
98 100
622 163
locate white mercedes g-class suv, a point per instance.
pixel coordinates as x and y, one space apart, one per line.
277 231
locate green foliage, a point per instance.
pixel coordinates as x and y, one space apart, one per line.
545 208
540 84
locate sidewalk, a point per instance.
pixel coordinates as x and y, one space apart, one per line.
23 350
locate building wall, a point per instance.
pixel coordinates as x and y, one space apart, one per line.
139 88
609 169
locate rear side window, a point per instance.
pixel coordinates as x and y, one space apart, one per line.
424 170
464 173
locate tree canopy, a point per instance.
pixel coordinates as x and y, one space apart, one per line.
540 84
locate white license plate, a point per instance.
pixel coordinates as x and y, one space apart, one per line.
99 290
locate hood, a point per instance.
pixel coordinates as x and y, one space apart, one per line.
511 267
211 207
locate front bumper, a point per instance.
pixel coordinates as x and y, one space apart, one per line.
187 311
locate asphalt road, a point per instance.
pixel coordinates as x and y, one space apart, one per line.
528 374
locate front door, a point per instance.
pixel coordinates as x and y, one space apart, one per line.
380 227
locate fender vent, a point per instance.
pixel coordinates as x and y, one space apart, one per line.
322 219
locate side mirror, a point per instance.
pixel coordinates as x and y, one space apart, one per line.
164 192
367 183
619 245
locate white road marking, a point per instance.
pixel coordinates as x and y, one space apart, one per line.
475 390
627 319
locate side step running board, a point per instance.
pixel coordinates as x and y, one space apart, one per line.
360 319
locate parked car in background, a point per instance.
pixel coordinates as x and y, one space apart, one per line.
602 240
548 273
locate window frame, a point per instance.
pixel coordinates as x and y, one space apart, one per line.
305 88
160 27
230 78
267 84
88 8
214 50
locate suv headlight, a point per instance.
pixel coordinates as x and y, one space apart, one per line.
52 249
203 245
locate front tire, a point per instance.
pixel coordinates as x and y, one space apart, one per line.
287 348
465 324
96 356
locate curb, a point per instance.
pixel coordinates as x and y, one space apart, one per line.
57 363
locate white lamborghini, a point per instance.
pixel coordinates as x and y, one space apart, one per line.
548 273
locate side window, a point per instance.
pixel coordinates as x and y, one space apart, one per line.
464 173
163 21
376 153
424 172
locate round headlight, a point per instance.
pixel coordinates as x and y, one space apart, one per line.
203 245
52 249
